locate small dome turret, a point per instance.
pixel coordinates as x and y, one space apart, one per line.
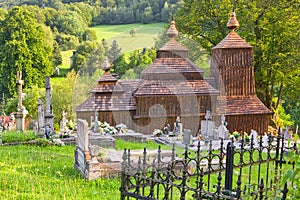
233 23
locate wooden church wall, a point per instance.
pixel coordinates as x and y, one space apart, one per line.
245 123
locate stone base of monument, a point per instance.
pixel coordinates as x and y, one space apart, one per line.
69 141
102 140
110 163
131 136
20 121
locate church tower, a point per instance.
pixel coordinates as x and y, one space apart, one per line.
233 71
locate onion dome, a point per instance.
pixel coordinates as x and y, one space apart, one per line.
172 31
233 23
106 65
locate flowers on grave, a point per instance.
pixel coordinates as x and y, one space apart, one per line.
58 142
157 132
108 129
246 137
235 135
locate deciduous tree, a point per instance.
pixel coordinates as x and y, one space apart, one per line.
272 27
23 48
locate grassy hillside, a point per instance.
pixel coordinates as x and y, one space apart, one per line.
144 37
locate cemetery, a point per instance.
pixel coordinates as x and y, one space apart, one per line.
212 133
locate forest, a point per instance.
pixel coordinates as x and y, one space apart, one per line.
33 33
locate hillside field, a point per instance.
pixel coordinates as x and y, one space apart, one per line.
144 37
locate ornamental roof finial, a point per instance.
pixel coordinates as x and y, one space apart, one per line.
233 23
172 31
106 65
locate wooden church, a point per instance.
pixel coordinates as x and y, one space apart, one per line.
173 86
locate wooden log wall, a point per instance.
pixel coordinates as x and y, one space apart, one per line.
241 123
234 69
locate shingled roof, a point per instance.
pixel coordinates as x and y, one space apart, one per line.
168 67
171 87
241 105
232 40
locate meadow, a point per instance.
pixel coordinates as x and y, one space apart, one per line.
145 35
46 172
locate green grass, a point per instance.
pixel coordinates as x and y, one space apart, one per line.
29 172
12 136
144 37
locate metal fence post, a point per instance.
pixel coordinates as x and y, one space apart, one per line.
229 166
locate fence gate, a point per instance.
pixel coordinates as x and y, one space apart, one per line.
247 171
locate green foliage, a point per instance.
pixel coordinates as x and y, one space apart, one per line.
281 118
41 142
29 101
23 48
62 97
89 35
13 136
56 54
88 57
270 26
132 64
292 176
114 53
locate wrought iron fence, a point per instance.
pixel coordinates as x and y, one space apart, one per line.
247 171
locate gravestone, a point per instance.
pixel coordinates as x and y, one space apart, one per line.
63 125
41 119
82 154
265 140
254 135
187 137
177 127
96 124
49 117
207 127
21 113
286 134
222 130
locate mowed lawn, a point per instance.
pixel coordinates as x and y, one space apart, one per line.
144 37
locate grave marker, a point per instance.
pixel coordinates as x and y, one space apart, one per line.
21 113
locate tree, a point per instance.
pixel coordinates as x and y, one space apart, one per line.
62 97
23 48
89 35
87 57
114 53
132 32
272 27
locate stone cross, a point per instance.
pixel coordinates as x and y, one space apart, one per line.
49 117
207 118
19 82
48 95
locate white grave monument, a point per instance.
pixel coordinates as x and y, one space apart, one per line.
222 130
265 140
207 127
254 135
